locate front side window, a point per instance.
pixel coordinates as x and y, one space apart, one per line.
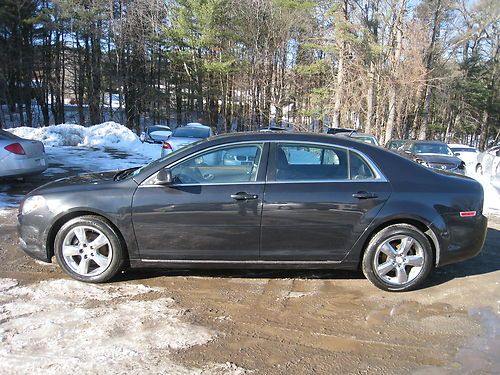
232 164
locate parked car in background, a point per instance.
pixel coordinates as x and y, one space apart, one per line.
362 137
433 154
339 130
155 134
347 205
465 153
20 157
488 162
394 144
183 136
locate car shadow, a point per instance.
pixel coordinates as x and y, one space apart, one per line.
486 262
150 273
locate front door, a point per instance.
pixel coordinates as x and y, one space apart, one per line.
318 201
211 211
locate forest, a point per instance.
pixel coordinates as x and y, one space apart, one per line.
423 69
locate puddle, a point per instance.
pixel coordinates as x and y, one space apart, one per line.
479 354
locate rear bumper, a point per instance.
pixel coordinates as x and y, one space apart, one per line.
15 166
463 239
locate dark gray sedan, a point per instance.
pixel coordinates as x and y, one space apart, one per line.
433 154
302 201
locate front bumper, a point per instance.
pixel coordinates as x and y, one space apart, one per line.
463 239
32 237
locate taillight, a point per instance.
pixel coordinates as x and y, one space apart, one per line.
166 146
15 148
467 213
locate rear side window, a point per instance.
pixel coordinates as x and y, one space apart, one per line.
360 170
304 162
296 162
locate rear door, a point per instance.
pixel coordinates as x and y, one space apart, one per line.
318 201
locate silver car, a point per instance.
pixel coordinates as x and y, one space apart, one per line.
183 136
488 162
20 157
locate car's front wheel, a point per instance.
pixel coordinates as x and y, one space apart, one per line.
88 249
398 258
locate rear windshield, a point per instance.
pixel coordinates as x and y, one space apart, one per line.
152 129
190 133
7 135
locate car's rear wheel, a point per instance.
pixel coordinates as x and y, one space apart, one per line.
398 258
88 249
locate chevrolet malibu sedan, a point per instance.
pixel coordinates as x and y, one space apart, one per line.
298 201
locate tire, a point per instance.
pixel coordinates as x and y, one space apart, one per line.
394 252
88 249
479 169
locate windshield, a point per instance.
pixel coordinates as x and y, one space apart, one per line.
432 148
190 133
365 139
166 157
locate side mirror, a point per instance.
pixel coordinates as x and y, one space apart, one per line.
457 153
163 177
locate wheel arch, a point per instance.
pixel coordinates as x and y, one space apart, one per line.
61 220
418 223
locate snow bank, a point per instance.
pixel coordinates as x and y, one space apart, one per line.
68 327
491 195
106 135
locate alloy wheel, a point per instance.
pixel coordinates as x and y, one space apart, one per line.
87 251
399 260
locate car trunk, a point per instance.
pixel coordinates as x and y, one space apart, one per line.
32 148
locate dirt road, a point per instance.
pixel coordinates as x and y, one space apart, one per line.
234 322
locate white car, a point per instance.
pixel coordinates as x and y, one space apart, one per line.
155 134
488 162
467 154
185 135
20 157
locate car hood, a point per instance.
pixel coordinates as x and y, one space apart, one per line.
439 159
87 181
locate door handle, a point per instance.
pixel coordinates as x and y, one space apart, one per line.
243 196
364 195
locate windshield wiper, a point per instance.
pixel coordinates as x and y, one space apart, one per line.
124 173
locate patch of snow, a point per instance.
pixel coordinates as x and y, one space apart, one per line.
66 327
4 212
106 135
295 294
491 194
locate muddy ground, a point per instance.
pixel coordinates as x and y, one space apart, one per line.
269 322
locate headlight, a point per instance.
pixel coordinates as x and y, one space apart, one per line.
422 162
32 203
